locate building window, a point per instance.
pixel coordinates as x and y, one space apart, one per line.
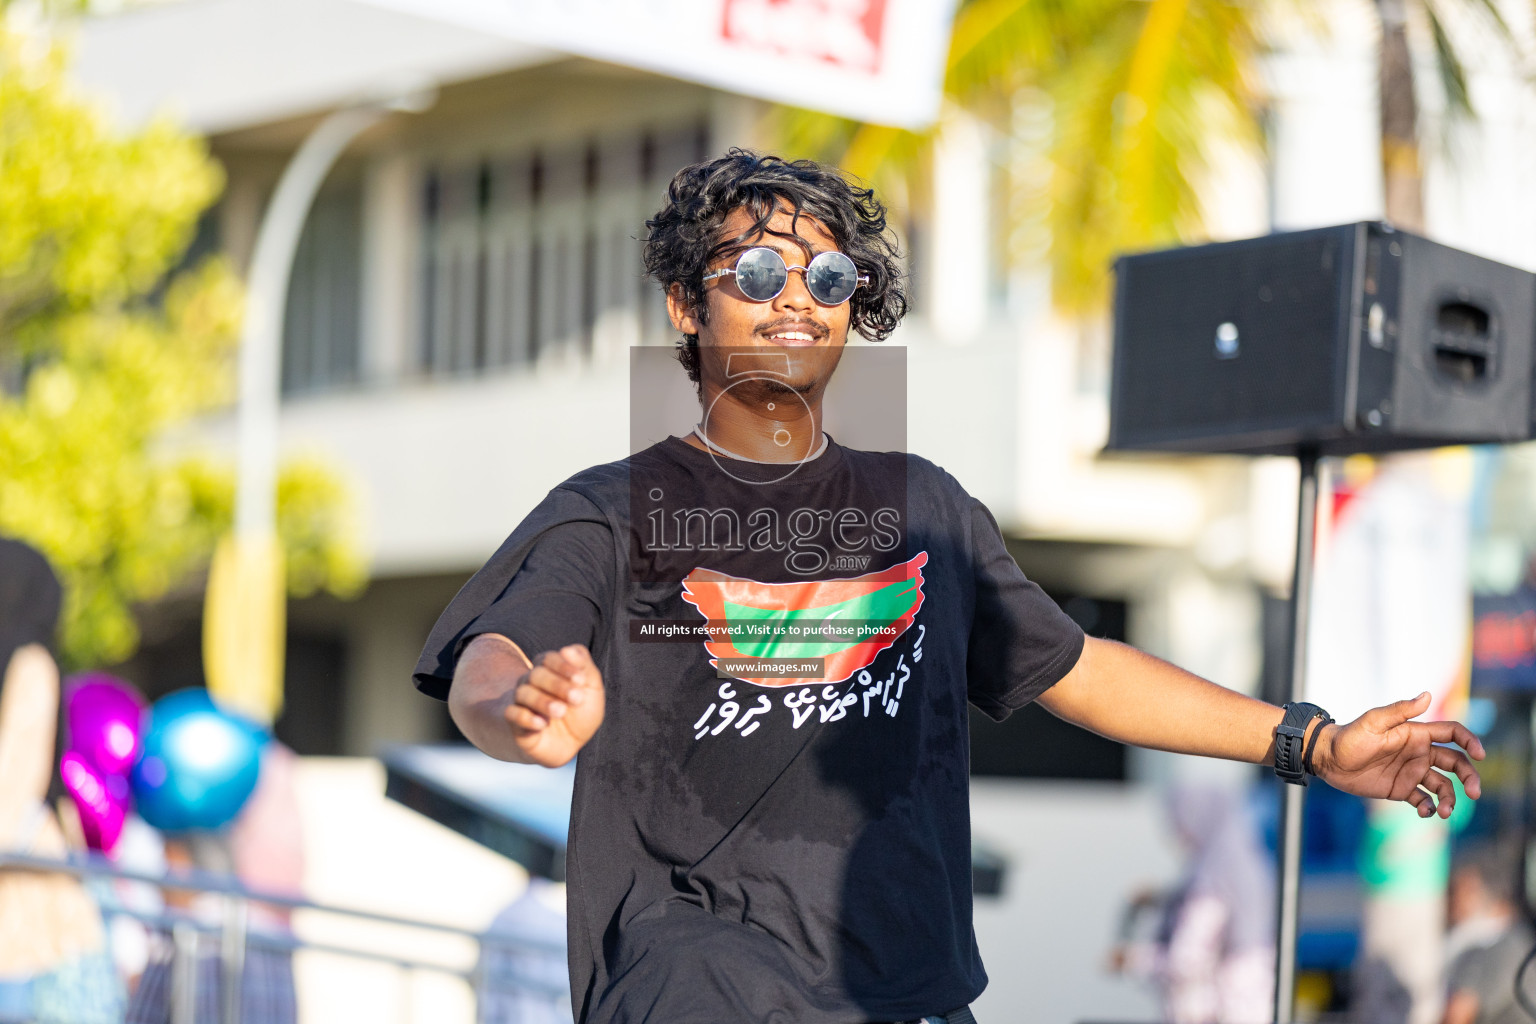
535 255
321 320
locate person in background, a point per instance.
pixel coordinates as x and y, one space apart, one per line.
525 977
140 850
262 849
54 965
266 844
1487 942
1213 952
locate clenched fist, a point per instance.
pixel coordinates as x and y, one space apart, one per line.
538 711
557 705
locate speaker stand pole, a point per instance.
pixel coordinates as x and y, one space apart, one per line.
1295 796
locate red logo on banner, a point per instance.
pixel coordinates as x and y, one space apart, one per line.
842 32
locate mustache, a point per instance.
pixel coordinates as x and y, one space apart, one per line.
792 323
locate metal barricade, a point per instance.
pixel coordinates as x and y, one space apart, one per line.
189 934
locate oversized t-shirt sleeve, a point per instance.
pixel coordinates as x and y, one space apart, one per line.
558 595
1021 642
574 562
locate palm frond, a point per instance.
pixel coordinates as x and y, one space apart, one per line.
797 132
1490 10
1135 117
999 46
1448 65
1129 92
1146 87
875 148
886 158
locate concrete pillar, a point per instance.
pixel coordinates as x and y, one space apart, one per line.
391 186
958 271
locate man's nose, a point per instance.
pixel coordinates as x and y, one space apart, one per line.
795 296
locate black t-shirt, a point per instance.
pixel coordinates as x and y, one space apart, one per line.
784 839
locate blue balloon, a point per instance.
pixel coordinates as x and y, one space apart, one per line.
199 766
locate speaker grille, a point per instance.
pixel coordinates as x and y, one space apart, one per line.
1231 339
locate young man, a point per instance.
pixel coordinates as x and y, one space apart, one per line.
762 643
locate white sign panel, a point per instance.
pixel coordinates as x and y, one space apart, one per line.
871 60
1392 599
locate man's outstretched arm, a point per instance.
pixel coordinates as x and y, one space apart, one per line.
538 711
1126 695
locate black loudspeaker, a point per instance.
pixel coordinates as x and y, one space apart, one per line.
1357 338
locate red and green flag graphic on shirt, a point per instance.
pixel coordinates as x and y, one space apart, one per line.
768 620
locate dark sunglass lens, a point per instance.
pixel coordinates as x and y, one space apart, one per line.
832 277
760 274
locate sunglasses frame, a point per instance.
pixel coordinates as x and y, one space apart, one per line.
859 279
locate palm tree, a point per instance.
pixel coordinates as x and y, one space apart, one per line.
1401 163
1133 93
1136 94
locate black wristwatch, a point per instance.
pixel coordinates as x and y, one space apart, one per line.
1292 763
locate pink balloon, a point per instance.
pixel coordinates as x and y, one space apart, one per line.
101 799
106 722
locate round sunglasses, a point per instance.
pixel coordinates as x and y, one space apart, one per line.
761 275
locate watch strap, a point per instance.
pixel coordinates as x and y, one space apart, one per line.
1306 759
1290 734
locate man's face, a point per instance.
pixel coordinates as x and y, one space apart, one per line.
810 336
1463 896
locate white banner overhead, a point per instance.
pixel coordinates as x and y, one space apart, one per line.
872 60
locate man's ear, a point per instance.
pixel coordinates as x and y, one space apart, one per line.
684 320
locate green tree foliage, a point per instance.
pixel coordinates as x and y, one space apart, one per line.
85 219
102 356
1122 104
1126 97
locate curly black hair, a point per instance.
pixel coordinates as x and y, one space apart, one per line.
684 237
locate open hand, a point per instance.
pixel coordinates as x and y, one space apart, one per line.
1384 754
557 706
